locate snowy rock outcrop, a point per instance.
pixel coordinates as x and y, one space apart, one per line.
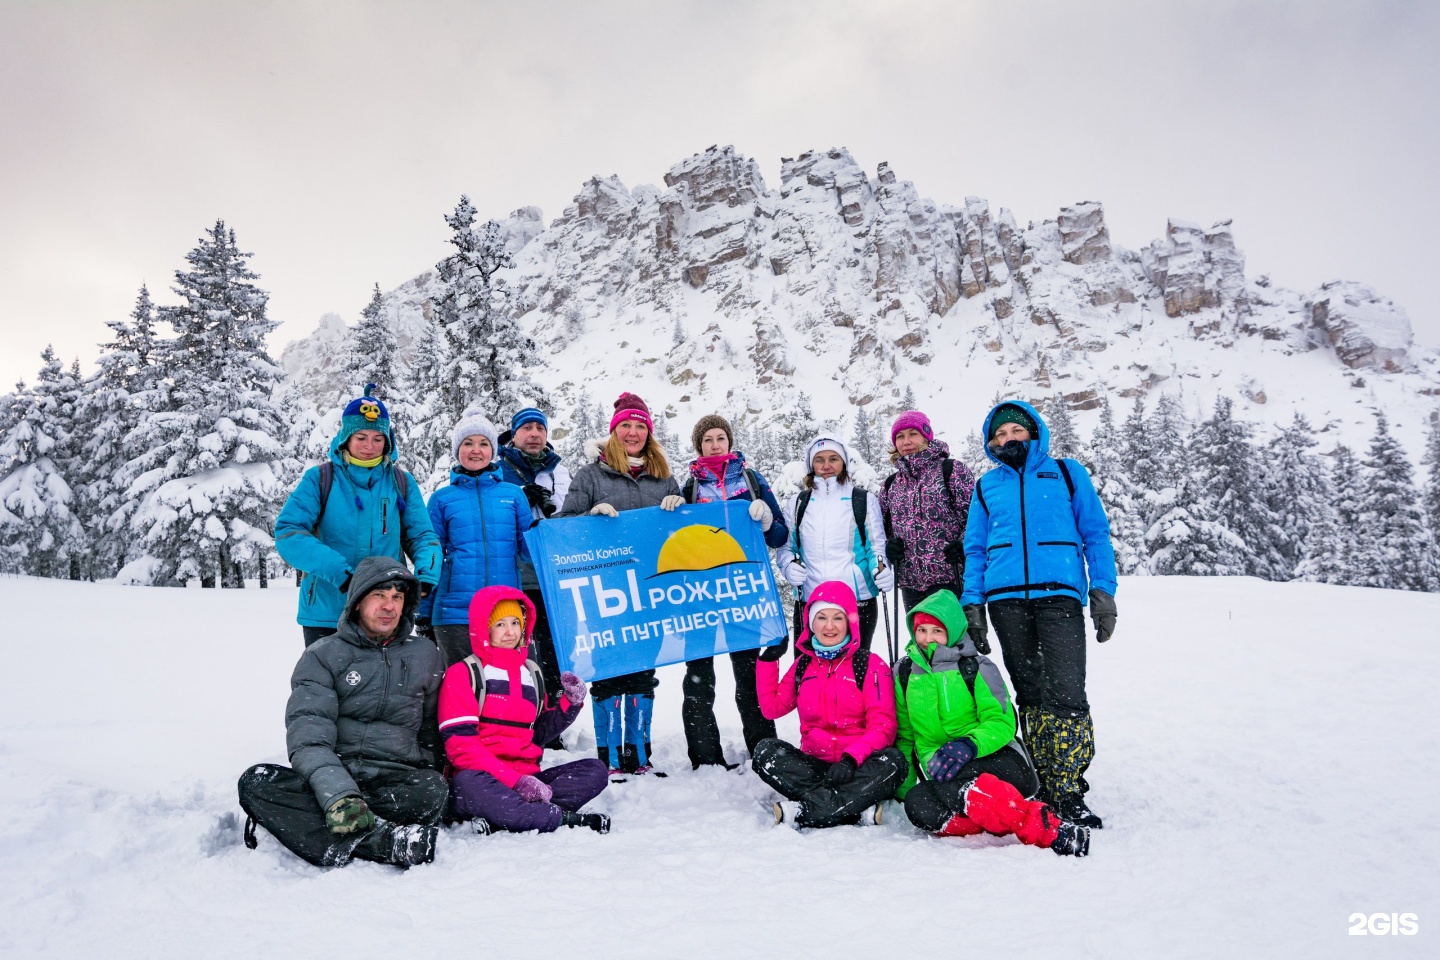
719 291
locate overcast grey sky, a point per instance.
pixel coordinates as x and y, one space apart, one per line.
333 137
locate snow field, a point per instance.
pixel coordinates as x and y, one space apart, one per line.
1266 768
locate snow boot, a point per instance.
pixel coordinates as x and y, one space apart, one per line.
872 817
787 812
1072 807
609 727
959 826
997 807
401 845
1071 840
595 821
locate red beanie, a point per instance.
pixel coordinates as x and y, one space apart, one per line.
920 618
630 407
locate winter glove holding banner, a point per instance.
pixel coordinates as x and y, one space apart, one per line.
349 815
603 510
539 497
533 789
841 771
1102 612
895 550
771 654
950 759
760 510
573 686
979 626
672 501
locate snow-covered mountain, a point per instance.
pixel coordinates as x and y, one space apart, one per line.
719 292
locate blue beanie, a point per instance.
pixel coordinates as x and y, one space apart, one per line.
365 413
529 415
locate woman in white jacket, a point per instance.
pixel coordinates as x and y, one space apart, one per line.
836 533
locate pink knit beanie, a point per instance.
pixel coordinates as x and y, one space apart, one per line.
912 420
630 407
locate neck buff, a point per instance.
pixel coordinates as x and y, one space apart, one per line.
537 460
828 653
363 463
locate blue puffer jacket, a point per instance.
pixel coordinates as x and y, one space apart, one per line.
363 518
480 521
1027 536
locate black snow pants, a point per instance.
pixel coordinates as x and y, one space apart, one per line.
702 734
316 633
1044 645
281 801
869 611
453 639
799 776
931 803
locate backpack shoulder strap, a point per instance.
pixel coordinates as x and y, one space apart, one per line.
402 486
688 491
327 480
1069 481
980 495
477 682
860 663
802 664
903 672
947 469
538 679
885 492
969 668
801 502
752 479
860 507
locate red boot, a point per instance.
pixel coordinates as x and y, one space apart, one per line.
959 826
996 807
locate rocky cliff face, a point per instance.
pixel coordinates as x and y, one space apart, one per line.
720 292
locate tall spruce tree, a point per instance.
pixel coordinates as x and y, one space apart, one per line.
375 349
1296 489
1396 546
1064 441
40 531
487 352
1432 484
1105 460
212 465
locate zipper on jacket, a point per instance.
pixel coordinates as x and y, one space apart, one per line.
384 516
1024 537
484 537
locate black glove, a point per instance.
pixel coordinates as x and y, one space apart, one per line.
423 627
425 589
539 497
345 584
979 626
842 771
954 553
771 654
895 551
1102 612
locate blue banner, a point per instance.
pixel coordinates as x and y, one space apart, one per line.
652 587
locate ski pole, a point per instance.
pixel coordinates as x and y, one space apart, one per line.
889 638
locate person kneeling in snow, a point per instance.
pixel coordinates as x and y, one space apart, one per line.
494 716
845 765
361 736
957 727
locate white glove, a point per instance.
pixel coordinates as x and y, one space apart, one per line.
671 502
795 573
760 510
885 578
603 510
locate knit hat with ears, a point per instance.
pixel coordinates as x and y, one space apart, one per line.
630 407
365 413
473 422
708 423
912 420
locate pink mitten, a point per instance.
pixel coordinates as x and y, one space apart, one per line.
573 686
533 790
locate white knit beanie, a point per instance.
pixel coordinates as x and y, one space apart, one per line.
473 422
819 605
825 443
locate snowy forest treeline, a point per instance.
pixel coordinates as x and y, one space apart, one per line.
171 460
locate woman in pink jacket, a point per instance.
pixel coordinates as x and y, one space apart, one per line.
846 763
494 715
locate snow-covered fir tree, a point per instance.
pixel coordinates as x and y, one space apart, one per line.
374 351
1104 458
40 531
1432 483
1064 440
487 351
1394 547
1296 492
1197 535
212 467
863 438
423 428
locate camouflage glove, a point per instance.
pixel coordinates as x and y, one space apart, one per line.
349 815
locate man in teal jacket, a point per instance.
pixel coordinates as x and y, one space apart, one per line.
359 504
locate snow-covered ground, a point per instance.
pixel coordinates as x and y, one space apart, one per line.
1267 767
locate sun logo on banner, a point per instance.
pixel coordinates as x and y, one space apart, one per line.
698 547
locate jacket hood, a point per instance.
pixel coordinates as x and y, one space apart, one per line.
368 574
347 430
517 459
944 606
481 606
839 593
1040 443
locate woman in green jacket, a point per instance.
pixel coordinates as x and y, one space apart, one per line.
968 772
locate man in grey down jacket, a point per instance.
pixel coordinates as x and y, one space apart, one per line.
361 733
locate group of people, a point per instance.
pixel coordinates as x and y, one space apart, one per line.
429 686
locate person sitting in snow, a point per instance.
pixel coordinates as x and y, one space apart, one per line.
494 717
846 763
968 772
361 736
1037 545
358 503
